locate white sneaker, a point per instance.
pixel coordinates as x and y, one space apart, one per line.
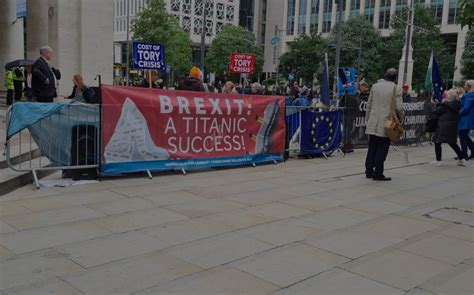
461 163
436 163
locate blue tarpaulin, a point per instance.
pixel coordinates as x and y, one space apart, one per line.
51 125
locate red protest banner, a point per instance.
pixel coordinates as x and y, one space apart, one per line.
141 125
242 63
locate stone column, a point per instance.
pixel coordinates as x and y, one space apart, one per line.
11 36
37 27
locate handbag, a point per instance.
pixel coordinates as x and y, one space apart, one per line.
393 127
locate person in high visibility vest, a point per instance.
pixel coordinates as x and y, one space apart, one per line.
18 79
9 86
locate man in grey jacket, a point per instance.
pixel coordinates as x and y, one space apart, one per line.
378 111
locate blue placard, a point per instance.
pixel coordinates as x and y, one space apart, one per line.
148 56
346 83
20 8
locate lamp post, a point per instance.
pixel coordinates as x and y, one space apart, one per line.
338 49
408 41
203 35
127 74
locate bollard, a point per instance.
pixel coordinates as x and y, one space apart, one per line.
405 157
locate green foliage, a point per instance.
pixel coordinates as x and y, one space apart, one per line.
305 57
426 38
467 59
357 33
465 16
155 25
232 39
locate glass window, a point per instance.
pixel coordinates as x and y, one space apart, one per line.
290 19
384 15
437 9
327 16
314 16
369 10
355 7
453 11
302 17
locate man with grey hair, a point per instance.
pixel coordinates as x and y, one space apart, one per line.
44 77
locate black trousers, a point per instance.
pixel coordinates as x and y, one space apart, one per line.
454 146
376 155
18 85
9 97
466 142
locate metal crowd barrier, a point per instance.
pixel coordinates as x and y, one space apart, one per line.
69 141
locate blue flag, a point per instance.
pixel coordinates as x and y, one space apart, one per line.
325 98
437 80
321 131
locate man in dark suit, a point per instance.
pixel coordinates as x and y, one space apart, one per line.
44 78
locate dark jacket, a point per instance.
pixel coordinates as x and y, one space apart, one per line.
448 117
87 94
42 72
144 84
191 84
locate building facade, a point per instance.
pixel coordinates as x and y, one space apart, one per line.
320 16
80 33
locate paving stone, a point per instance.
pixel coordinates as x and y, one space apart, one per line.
455 281
289 264
357 193
5 228
282 232
10 208
460 232
339 282
376 206
214 251
314 202
304 189
111 248
337 218
126 189
399 227
122 206
353 243
454 215
418 291
46 237
442 248
259 197
87 197
51 286
216 281
187 230
131 275
138 219
35 267
5 253
204 207
279 210
51 217
397 268
41 204
172 198
241 218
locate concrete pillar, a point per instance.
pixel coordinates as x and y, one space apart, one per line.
37 26
11 36
297 18
401 67
459 51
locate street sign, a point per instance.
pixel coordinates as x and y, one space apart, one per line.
275 40
148 56
291 77
242 63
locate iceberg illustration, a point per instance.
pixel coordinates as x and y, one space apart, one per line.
264 138
131 140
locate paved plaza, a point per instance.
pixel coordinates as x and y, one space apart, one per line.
310 226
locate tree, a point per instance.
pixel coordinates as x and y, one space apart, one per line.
358 32
155 25
232 39
305 57
466 14
467 59
426 39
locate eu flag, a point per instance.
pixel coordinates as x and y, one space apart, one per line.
325 98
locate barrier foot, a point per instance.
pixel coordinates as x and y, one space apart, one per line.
183 171
325 156
275 162
253 164
394 148
35 178
149 174
342 153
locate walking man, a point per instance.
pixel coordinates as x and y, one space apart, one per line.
44 79
9 86
18 79
378 110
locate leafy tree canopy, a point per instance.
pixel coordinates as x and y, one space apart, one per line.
155 25
465 16
467 59
232 39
